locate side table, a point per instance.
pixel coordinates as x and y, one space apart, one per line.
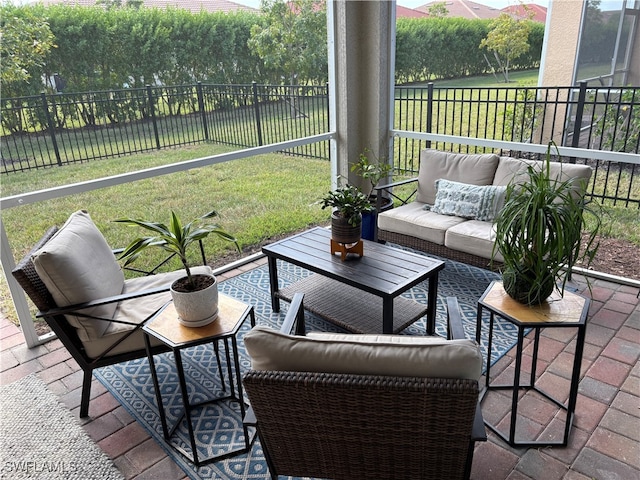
557 312
166 328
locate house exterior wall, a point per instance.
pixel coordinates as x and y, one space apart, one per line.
562 35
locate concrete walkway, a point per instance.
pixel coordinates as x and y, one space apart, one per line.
604 443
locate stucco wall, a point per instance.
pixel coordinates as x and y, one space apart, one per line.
562 35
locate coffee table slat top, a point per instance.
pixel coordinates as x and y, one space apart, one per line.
382 270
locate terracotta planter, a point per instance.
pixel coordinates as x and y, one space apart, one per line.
198 308
343 232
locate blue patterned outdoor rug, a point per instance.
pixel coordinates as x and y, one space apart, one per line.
219 426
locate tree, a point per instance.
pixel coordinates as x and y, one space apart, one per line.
292 40
109 4
438 10
25 42
508 39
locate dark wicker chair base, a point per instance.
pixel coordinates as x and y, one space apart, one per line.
438 250
345 426
350 426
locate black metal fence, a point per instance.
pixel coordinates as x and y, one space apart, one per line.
582 117
60 129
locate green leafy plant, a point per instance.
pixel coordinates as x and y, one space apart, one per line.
349 202
174 238
539 233
371 172
620 127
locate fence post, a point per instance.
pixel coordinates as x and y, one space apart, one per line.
51 128
205 126
256 107
429 110
577 124
152 110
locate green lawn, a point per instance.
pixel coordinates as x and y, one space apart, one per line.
256 198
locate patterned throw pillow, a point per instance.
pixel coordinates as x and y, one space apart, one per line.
475 202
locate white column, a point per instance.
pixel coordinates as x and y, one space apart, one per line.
362 43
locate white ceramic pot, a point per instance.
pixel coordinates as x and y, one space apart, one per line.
199 308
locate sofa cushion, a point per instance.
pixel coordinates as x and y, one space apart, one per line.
77 265
478 169
475 202
413 220
511 169
515 169
394 355
474 237
136 311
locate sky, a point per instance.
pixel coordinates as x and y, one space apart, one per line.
418 3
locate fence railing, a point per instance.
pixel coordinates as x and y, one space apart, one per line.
49 130
60 129
590 118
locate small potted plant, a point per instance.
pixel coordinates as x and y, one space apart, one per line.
195 296
348 204
539 234
372 173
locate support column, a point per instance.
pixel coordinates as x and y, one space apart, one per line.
362 43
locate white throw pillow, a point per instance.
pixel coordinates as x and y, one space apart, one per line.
475 202
393 355
77 265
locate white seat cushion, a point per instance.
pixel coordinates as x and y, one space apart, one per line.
77 265
394 355
474 237
413 220
136 311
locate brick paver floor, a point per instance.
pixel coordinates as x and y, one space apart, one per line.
604 442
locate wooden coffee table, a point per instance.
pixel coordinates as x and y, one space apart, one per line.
361 295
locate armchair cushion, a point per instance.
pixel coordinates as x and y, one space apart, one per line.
77 265
393 355
135 311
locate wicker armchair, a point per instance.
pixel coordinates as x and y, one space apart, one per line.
98 324
350 426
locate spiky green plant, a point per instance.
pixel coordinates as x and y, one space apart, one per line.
175 238
539 233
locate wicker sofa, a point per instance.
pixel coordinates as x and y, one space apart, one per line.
457 199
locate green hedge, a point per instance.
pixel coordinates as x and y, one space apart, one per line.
438 48
104 49
100 49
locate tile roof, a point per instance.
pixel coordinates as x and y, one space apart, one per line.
465 9
524 10
405 12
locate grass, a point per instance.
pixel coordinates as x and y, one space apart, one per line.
256 198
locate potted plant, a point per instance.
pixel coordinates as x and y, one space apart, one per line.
539 233
195 296
372 173
348 204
